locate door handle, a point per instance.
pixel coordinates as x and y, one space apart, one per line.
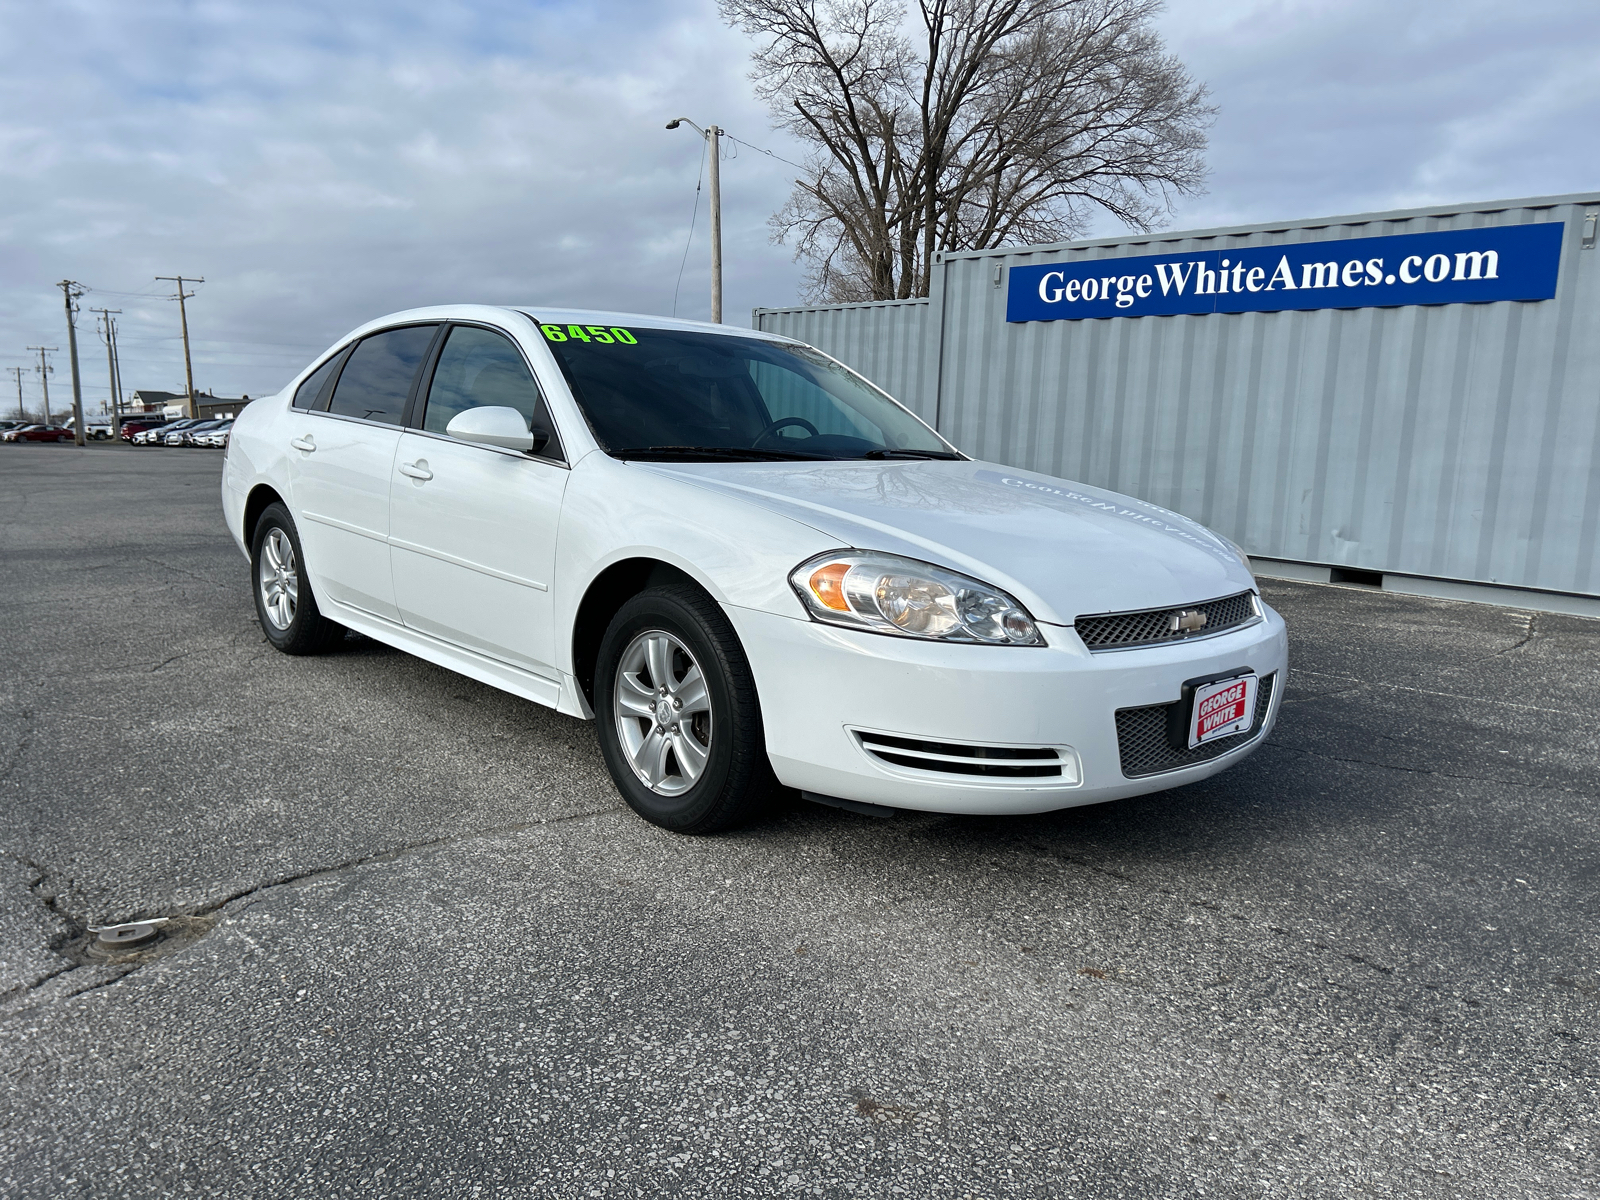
416 470
304 443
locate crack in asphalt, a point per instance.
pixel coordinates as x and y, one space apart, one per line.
1529 635
173 659
391 855
78 928
183 571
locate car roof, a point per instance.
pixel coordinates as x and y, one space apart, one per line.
558 315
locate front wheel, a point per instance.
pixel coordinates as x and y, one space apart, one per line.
679 719
285 605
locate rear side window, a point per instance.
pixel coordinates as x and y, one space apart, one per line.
377 376
306 395
479 368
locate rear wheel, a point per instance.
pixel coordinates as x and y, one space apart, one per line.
285 605
679 719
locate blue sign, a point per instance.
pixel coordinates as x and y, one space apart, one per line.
1453 266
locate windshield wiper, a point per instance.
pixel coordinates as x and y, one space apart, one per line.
942 454
749 454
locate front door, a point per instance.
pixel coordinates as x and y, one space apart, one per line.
340 462
473 528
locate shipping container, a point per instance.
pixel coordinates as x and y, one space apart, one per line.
1400 421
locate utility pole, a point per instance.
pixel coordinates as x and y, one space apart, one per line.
116 372
70 291
110 339
713 135
183 316
17 371
45 370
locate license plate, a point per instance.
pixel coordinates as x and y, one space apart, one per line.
1225 707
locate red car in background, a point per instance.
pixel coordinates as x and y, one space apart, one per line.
38 433
131 427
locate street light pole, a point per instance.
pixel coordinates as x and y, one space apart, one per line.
70 291
713 135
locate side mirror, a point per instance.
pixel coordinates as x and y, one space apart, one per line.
494 425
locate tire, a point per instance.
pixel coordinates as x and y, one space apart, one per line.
675 630
63 438
285 604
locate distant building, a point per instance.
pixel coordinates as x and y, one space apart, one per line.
148 401
173 403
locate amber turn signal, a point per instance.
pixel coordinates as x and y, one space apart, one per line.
827 585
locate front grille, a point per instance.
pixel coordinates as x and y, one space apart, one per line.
947 758
1146 749
1117 631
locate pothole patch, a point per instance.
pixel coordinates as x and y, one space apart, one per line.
130 943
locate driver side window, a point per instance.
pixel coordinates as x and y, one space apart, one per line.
479 368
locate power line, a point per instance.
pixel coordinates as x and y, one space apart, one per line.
759 150
693 217
138 295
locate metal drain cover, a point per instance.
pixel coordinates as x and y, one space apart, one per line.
129 933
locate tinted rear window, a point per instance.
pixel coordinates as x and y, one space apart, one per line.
306 395
377 376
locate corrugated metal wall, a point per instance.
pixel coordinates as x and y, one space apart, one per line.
885 341
1455 441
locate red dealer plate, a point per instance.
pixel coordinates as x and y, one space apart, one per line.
1222 708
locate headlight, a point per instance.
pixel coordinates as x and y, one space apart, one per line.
888 594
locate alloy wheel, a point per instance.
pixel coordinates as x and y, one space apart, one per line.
279 579
663 712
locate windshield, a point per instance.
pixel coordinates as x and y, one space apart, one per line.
677 394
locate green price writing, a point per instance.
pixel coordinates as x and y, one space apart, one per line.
589 333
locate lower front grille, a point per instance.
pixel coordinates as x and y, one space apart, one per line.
1146 749
993 763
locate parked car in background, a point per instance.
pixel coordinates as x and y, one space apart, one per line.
134 426
94 431
216 438
748 564
158 437
38 433
7 426
185 437
152 433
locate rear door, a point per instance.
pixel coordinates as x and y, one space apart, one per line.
341 452
473 528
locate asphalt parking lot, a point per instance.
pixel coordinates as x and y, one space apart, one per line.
425 950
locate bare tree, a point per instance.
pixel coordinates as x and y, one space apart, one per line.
976 123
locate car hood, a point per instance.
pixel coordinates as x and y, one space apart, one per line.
1063 549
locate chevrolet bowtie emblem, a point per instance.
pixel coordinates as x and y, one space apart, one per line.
1186 620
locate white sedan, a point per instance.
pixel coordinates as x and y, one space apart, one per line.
750 565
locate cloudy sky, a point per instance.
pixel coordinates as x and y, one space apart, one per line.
323 164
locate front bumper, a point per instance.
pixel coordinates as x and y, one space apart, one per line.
821 687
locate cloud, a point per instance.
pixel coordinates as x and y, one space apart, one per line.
324 164
1334 108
